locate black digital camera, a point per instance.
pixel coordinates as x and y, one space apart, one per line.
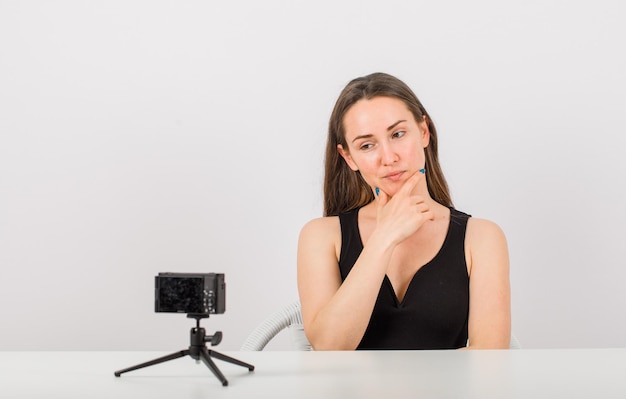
191 293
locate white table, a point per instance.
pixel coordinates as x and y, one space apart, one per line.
559 373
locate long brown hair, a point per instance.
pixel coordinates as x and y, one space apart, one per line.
345 189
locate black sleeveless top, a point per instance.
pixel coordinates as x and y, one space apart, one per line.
434 311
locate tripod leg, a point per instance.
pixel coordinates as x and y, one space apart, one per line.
163 359
206 358
229 359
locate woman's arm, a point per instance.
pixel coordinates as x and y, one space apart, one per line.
336 315
490 297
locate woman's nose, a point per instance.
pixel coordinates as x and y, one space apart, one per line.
388 155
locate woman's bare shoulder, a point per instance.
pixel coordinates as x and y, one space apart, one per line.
327 226
321 235
479 229
486 245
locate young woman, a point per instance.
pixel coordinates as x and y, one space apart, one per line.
393 265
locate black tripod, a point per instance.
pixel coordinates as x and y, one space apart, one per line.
198 351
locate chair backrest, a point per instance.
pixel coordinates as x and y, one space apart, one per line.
515 344
290 317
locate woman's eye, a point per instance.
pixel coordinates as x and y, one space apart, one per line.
366 146
398 134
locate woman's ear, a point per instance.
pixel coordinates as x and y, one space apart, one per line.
423 126
346 157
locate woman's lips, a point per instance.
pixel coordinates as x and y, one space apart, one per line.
394 176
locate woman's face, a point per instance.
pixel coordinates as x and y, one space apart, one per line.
385 142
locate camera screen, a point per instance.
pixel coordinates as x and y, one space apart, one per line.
184 295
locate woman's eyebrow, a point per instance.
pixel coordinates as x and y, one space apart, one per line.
395 124
363 136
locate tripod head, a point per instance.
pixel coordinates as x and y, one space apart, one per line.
198 334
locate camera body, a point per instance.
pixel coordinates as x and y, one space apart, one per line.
191 293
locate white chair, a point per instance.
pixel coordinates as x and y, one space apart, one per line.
290 317
515 344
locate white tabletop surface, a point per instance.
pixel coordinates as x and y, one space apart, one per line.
558 373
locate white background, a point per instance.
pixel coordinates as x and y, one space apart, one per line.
145 136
